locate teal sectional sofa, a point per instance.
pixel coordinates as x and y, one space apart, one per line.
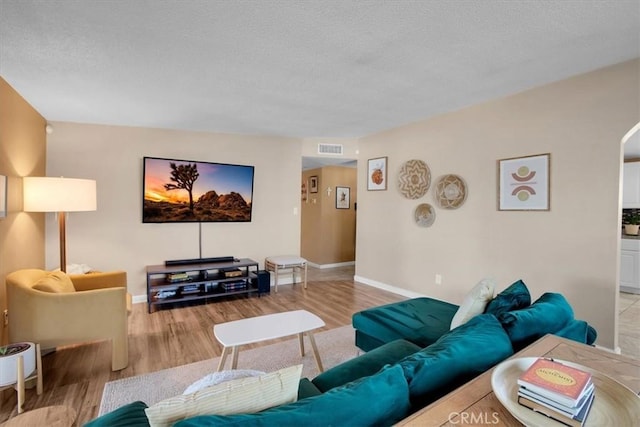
406 366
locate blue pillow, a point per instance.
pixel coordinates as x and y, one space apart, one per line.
381 399
130 415
547 315
514 297
456 357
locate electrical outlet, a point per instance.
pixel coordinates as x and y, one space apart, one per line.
6 317
438 279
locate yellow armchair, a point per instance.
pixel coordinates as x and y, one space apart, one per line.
95 308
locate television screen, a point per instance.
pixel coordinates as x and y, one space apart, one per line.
191 191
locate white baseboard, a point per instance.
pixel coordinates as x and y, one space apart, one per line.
334 265
390 288
617 350
139 299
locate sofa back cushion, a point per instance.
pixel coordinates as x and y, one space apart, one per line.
378 400
514 297
130 415
364 365
578 330
456 357
547 315
55 282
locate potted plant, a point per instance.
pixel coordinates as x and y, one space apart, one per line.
632 224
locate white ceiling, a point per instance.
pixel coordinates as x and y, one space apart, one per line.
307 68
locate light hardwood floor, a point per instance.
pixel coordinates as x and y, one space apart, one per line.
75 376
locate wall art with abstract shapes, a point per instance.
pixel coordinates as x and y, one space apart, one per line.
524 183
377 174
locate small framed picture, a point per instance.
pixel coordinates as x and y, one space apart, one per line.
303 191
342 197
313 184
524 182
377 174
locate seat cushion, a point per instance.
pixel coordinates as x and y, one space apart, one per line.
455 358
55 282
514 297
419 320
378 400
364 365
547 315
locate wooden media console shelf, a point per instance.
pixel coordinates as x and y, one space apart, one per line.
168 284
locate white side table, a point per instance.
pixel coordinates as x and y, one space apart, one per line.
285 262
19 363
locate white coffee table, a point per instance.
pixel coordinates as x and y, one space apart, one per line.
261 328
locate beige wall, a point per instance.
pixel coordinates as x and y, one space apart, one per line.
572 249
328 234
22 153
114 237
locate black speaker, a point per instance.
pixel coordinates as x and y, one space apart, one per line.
263 282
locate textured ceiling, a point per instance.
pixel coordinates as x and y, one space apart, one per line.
307 68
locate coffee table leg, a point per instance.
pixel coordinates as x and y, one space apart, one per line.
223 358
234 364
312 340
301 340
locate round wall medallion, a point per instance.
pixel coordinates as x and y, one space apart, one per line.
414 179
451 192
424 215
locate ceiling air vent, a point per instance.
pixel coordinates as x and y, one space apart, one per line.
330 149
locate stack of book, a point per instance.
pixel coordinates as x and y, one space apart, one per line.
558 391
177 277
235 285
231 272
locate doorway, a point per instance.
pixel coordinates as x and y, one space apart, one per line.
328 211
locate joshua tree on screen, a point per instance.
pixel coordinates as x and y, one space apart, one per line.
183 176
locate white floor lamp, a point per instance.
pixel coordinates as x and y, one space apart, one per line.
61 195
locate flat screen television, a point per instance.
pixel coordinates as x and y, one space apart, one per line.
194 191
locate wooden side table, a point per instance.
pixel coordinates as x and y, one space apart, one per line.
15 359
285 262
50 416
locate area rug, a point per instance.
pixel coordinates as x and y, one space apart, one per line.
335 346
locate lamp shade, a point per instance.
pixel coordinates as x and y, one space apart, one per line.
48 194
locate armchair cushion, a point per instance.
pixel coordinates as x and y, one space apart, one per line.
55 282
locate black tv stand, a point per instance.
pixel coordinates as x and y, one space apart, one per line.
169 284
200 260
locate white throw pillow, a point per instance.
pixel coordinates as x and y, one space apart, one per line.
220 377
243 395
474 303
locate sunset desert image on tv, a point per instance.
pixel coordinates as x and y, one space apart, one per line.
191 191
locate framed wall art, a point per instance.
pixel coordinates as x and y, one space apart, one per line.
313 184
377 174
524 183
342 197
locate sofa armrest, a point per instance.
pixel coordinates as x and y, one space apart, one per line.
89 281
